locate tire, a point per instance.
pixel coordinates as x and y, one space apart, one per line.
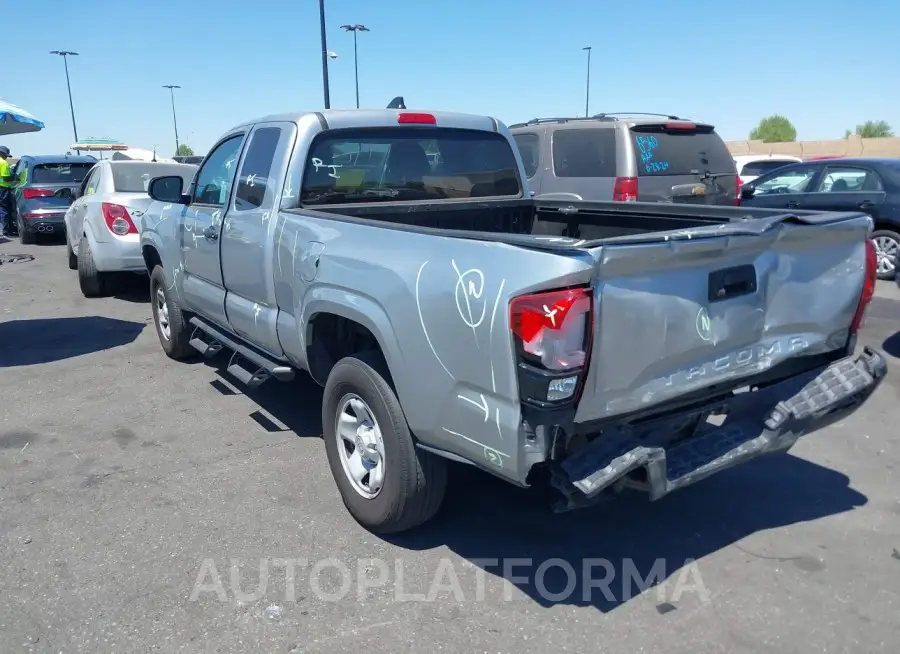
886 238
175 340
27 237
93 283
70 253
414 480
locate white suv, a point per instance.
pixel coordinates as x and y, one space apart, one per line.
751 166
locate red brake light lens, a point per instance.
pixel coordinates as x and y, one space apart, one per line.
868 290
737 197
554 327
625 189
117 219
416 119
682 126
32 193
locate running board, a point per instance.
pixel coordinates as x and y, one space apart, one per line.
265 367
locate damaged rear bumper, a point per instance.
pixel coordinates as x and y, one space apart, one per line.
769 420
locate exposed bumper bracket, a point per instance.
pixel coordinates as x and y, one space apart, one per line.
756 423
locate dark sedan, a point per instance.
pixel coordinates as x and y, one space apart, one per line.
46 189
845 184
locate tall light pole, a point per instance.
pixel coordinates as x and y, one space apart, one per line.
172 88
324 54
587 97
65 54
355 29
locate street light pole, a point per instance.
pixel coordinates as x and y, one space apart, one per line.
172 88
587 97
324 54
355 29
64 54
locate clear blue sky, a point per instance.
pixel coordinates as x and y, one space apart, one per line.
823 64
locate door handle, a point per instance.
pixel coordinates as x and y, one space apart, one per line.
793 205
866 204
211 233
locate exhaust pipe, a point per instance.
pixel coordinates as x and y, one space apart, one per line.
45 229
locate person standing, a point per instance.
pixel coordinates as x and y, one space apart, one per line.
7 194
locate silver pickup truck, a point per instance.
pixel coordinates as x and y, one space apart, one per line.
397 257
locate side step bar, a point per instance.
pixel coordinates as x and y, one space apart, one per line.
265 367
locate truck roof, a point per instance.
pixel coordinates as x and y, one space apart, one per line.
377 117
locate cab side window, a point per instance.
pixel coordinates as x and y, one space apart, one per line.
214 179
255 169
530 150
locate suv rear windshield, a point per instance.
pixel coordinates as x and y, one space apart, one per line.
61 173
757 168
661 151
135 177
400 163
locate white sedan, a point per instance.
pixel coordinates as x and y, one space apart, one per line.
103 224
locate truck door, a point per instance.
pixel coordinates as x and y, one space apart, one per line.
248 236
202 285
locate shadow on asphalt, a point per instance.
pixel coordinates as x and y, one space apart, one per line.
891 345
42 340
490 522
132 287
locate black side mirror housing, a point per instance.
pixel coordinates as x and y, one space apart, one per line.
168 189
747 191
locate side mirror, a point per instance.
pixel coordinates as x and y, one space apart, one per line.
168 189
747 191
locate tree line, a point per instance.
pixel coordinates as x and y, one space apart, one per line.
778 129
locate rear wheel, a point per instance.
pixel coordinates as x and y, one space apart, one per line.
387 483
70 253
93 283
172 326
887 246
27 237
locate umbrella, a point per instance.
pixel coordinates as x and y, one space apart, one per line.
98 145
14 120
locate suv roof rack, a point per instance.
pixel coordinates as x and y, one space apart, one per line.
614 114
610 115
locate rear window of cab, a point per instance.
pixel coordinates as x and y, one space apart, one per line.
408 163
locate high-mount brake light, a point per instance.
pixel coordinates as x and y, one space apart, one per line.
416 119
868 290
117 219
32 193
683 126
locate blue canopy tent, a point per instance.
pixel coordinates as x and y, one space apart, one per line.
15 120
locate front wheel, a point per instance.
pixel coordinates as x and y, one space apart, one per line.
887 246
387 484
172 326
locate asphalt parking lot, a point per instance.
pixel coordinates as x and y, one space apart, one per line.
151 505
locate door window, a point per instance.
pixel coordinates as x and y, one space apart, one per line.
789 180
584 152
254 176
530 150
92 182
214 180
848 179
757 168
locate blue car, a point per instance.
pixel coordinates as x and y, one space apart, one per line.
45 189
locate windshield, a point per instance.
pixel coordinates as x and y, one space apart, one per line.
61 173
134 177
680 152
414 163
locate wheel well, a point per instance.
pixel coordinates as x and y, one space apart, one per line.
887 227
151 257
330 338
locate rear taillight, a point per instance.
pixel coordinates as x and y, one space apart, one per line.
625 189
868 290
554 331
737 197
117 219
32 193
